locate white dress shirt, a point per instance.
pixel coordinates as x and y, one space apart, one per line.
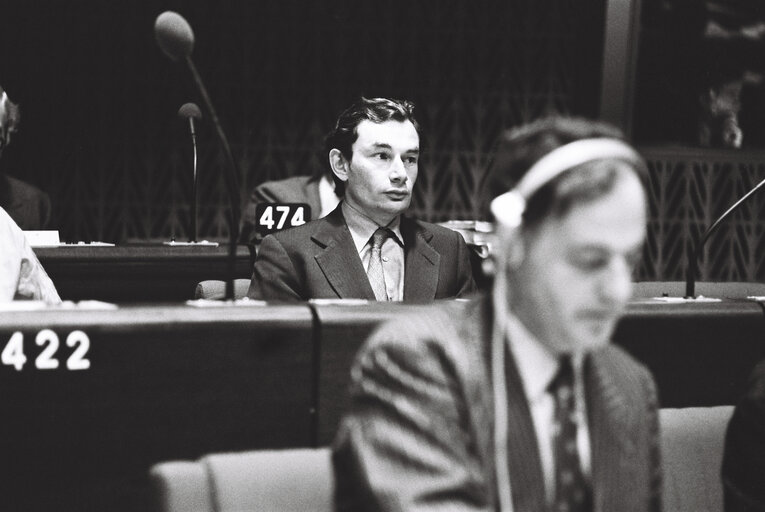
362 228
537 367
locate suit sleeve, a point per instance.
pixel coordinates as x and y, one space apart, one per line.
406 444
655 468
274 276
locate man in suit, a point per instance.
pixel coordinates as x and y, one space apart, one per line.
365 248
517 401
27 205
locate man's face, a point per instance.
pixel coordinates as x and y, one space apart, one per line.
382 172
576 276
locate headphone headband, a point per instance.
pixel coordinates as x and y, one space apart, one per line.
508 208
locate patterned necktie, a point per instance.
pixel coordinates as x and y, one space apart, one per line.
375 268
571 490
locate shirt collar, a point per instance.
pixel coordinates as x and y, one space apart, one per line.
362 227
537 366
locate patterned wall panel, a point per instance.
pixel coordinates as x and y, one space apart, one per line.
690 189
99 101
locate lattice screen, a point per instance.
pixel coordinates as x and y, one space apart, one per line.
117 166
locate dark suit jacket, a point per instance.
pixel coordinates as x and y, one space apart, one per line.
419 433
299 189
743 467
27 205
319 260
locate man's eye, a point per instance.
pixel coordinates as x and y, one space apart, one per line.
382 156
589 262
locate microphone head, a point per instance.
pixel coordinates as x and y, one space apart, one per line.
174 35
189 110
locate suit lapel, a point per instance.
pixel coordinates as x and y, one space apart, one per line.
526 477
608 423
421 262
339 260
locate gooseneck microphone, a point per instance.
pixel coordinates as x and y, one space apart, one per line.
176 40
693 256
190 112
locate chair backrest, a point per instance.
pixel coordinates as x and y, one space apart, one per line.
214 289
692 443
267 480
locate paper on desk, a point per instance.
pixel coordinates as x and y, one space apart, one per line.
213 303
680 300
339 302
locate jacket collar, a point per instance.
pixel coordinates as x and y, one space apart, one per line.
339 261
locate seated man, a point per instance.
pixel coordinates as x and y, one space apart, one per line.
365 248
27 205
317 191
517 401
21 275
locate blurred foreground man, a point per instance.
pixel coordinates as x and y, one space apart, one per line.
517 401
365 248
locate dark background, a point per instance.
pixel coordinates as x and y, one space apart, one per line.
99 129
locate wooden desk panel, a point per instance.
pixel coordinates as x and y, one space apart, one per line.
138 273
700 354
164 383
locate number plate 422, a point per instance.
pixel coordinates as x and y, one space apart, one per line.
13 353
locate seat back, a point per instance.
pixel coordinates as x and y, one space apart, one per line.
214 289
692 441
266 480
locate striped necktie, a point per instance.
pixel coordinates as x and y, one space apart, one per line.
375 268
572 493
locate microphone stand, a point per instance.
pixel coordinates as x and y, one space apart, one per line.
194 198
232 182
690 276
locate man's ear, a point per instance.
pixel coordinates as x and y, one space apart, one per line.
339 164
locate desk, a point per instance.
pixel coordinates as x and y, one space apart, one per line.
175 382
164 383
700 354
138 273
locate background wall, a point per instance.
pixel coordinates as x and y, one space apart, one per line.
99 128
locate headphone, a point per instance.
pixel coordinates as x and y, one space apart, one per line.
508 210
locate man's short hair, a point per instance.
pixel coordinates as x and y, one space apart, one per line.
377 110
520 148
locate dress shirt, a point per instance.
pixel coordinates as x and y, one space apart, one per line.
327 198
362 228
537 367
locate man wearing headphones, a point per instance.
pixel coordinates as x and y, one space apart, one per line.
517 401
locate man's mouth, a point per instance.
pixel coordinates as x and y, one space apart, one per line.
397 195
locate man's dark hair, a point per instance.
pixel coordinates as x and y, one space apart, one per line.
377 110
520 148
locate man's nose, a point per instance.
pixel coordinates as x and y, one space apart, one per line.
616 282
397 170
